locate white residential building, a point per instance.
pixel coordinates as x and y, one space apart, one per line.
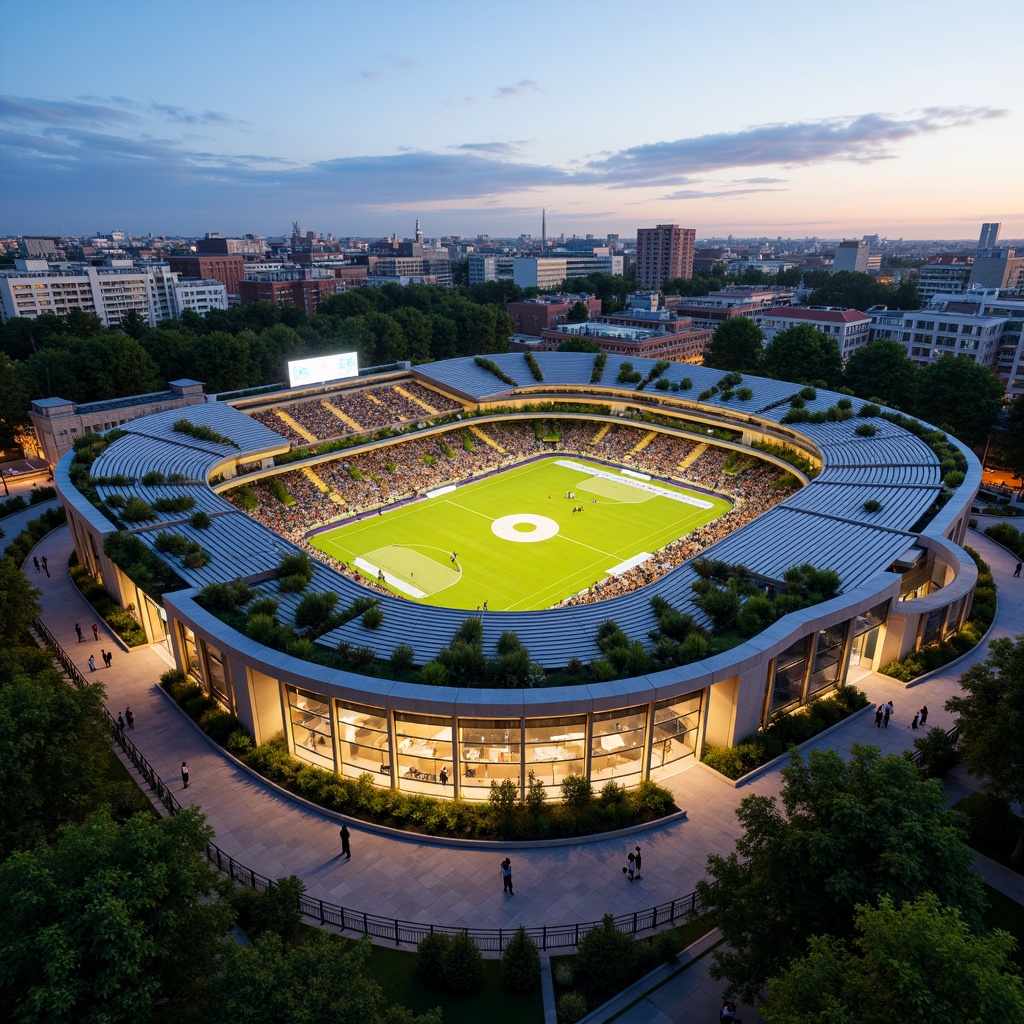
850 328
153 291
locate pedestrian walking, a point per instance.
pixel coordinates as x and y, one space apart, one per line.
1016 571
917 718
184 775
46 568
924 714
346 846
78 631
108 658
506 876
879 715
103 657
92 663
120 721
95 631
637 862
129 718
887 714
631 866
35 562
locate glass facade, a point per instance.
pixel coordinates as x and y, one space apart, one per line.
423 745
676 729
217 676
309 717
489 749
932 631
866 631
364 742
555 748
191 654
786 683
617 744
828 659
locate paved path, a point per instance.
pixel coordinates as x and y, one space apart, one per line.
420 881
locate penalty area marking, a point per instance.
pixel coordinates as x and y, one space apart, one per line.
639 483
537 528
622 567
394 581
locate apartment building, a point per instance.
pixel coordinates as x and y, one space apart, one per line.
679 343
152 290
663 253
852 256
850 328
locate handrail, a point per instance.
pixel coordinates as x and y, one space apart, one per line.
359 921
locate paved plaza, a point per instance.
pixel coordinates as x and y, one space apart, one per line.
428 881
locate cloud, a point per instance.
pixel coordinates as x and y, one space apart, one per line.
505 92
189 117
493 148
696 194
757 181
863 138
59 112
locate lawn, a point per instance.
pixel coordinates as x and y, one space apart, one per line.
395 971
519 541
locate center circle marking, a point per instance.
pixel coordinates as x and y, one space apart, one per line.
524 528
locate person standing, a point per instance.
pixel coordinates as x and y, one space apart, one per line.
444 776
631 866
108 658
95 631
78 632
917 718
92 663
346 845
637 862
924 714
886 712
46 568
879 715
129 718
35 562
184 775
1016 571
103 657
120 721
506 876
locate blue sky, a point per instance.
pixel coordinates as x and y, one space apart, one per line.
793 118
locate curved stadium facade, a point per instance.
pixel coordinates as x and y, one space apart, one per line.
905 579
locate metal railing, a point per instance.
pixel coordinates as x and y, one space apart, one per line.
361 922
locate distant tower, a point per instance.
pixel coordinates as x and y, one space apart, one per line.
989 237
419 234
544 228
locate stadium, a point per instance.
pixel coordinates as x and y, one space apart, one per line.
512 514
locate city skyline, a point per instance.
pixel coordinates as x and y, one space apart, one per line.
230 118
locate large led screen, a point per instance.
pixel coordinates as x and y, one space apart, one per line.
322 368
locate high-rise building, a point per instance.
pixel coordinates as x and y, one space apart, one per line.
663 253
851 256
989 237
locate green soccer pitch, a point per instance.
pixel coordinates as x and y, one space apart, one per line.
514 541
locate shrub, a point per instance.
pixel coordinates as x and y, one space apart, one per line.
462 966
402 659
431 950
866 430
938 753
313 613
520 963
503 797
871 505
572 1007
373 617
577 791
293 584
136 510
276 909
606 958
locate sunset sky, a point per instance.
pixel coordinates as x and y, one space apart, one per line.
793 118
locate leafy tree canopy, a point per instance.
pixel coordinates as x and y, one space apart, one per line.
961 395
111 918
882 370
991 719
920 962
802 354
847 833
737 344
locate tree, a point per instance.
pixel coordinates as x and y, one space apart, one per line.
920 962
737 344
1013 437
578 344
963 395
882 370
13 402
116 365
991 720
849 289
802 354
108 920
578 313
19 604
850 832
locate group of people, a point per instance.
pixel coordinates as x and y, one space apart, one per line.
885 711
126 718
370 408
632 868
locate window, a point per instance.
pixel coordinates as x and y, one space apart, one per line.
310 721
675 730
489 749
363 741
555 748
828 659
786 683
217 678
618 743
423 749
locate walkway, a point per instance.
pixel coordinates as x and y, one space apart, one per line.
422 881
